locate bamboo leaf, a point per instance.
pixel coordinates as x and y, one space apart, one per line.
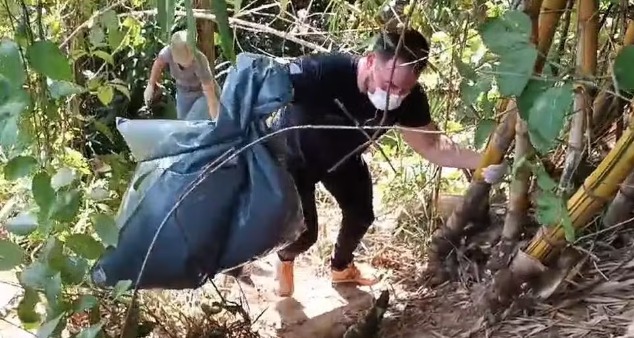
623 68
547 116
219 9
11 66
46 58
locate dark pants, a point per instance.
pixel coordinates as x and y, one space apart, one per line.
351 186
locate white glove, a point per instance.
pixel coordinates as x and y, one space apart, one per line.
148 94
494 173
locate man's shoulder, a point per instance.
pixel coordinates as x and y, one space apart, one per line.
327 60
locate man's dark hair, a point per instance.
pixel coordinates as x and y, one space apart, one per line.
414 49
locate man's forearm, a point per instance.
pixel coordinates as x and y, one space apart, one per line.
155 73
447 153
212 101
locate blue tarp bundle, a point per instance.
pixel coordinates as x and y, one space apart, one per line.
246 208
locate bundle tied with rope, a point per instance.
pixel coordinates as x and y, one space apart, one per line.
206 196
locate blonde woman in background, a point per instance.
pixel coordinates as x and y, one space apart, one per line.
195 88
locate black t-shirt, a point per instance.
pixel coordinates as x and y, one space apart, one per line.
322 84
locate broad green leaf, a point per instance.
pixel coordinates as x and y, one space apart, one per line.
66 205
109 19
623 68
26 307
506 32
13 102
75 269
106 229
96 35
11 66
84 245
11 255
549 208
98 194
483 131
22 224
115 37
515 70
60 89
85 302
547 116
47 329
19 167
36 275
121 287
42 191
122 89
544 181
470 92
53 254
105 94
63 177
104 56
219 9
534 89
90 332
46 58
53 289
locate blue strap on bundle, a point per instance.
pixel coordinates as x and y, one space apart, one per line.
208 218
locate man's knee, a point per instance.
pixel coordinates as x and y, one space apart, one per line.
362 216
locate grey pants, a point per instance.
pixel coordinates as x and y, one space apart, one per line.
191 105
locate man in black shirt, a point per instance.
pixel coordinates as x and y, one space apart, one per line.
340 89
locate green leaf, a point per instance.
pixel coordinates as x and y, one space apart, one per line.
532 91
506 32
115 37
122 89
19 167
544 181
623 68
26 308
63 177
549 210
84 245
85 302
43 192
90 332
11 255
47 329
191 24
36 275
48 60
219 9
11 66
106 229
96 35
104 56
105 94
74 270
547 116
13 102
483 131
66 206
515 70
109 19
61 89
22 224
53 290
470 92
121 287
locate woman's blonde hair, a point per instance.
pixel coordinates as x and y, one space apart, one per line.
181 51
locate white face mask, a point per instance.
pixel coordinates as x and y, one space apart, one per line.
379 98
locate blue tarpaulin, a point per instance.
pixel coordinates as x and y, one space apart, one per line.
246 208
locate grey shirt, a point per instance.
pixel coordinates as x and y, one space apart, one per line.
188 79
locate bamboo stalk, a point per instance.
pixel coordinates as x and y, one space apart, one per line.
518 193
621 207
548 19
443 239
600 187
588 23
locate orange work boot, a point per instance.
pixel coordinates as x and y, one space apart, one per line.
284 277
352 274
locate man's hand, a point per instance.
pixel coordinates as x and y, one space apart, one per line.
148 94
494 173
